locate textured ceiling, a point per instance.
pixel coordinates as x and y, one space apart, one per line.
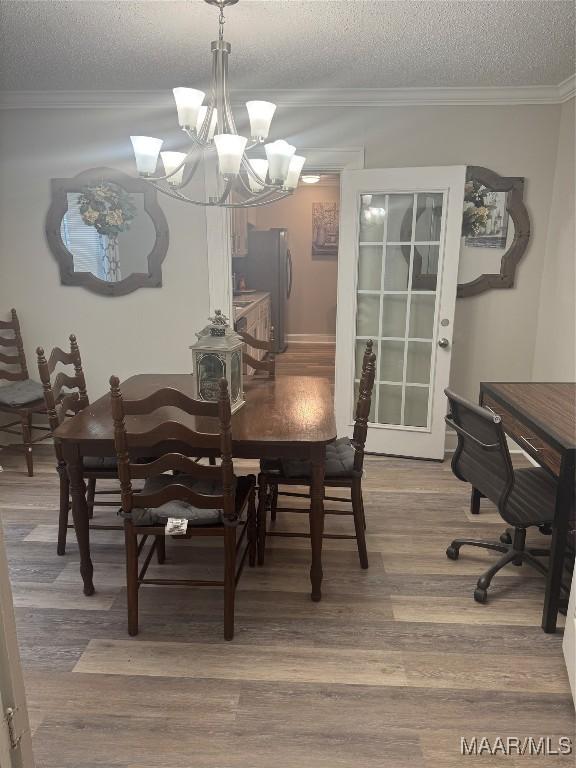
286 43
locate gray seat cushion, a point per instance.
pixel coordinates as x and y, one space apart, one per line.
339 462
180 509
20 393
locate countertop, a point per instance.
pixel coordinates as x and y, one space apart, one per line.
253 298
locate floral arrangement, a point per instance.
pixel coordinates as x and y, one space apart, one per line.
475 215
107 207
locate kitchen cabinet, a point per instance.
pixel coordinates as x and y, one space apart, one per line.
240 220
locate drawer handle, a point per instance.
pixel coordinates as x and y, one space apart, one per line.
527 441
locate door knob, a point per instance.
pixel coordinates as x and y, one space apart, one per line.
443 343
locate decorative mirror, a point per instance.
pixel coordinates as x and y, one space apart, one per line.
107 232
495 231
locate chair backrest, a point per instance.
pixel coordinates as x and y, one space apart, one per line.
65 395
269 364
363 406
172 432
15 359
482 457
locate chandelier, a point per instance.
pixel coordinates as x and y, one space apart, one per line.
242 182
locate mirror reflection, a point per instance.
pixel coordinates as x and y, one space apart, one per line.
108 231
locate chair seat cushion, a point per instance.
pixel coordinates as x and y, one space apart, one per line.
339 462
532 499
196 516
101 463
20 393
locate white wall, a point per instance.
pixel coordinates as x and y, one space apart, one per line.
148 330
495 332
555 350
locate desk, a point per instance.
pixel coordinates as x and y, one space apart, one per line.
541 418
291 416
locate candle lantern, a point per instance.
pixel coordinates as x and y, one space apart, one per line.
218 355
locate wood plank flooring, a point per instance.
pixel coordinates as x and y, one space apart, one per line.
388 671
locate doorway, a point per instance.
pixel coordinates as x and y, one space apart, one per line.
285 263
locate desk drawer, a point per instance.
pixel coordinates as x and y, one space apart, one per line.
540 451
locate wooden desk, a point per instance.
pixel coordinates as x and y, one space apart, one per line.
291 416
541 418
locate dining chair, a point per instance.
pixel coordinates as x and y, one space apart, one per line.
524 497
23 397
208 500
344 469
269 363
64 397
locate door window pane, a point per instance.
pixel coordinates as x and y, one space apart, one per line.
418 362
428 216
372 214
416 406
390 404
367 314
425 269
422 315
369 267
396 267
394 315
400 218
391 360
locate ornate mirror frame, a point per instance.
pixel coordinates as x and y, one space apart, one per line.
514 185
58 207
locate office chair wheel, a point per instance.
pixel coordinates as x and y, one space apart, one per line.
505 538
480 595
452 553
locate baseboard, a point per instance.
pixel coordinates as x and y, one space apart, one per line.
310 338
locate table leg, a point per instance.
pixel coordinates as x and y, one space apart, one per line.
317 460
558 545
80 513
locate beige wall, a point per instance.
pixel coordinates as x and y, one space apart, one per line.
312 305
555 350
495 333
149 330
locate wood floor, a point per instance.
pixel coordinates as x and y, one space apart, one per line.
390 670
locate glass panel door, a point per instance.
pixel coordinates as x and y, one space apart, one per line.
397 301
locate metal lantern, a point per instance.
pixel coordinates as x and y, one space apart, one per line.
218 355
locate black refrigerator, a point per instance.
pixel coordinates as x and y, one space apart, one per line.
268 267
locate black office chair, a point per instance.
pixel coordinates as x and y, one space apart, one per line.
524 497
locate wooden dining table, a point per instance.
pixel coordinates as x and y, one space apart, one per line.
285 417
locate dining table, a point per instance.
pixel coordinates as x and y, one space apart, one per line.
282 417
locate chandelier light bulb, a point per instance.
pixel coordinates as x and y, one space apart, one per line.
279 154
294 169
260 167
188 101
146 151
200 122
260 114
230 148
171 161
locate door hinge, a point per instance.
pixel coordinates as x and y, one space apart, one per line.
9 717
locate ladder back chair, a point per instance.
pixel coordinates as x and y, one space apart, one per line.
210 499
64 397
269 363
524 497
22 397
344 469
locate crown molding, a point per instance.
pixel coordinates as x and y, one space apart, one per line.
301 99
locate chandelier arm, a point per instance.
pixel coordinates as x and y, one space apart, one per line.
226 95
189 172
269 188
254 202
170 192
247 165
257 203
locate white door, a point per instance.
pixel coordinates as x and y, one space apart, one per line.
397 271
569 641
